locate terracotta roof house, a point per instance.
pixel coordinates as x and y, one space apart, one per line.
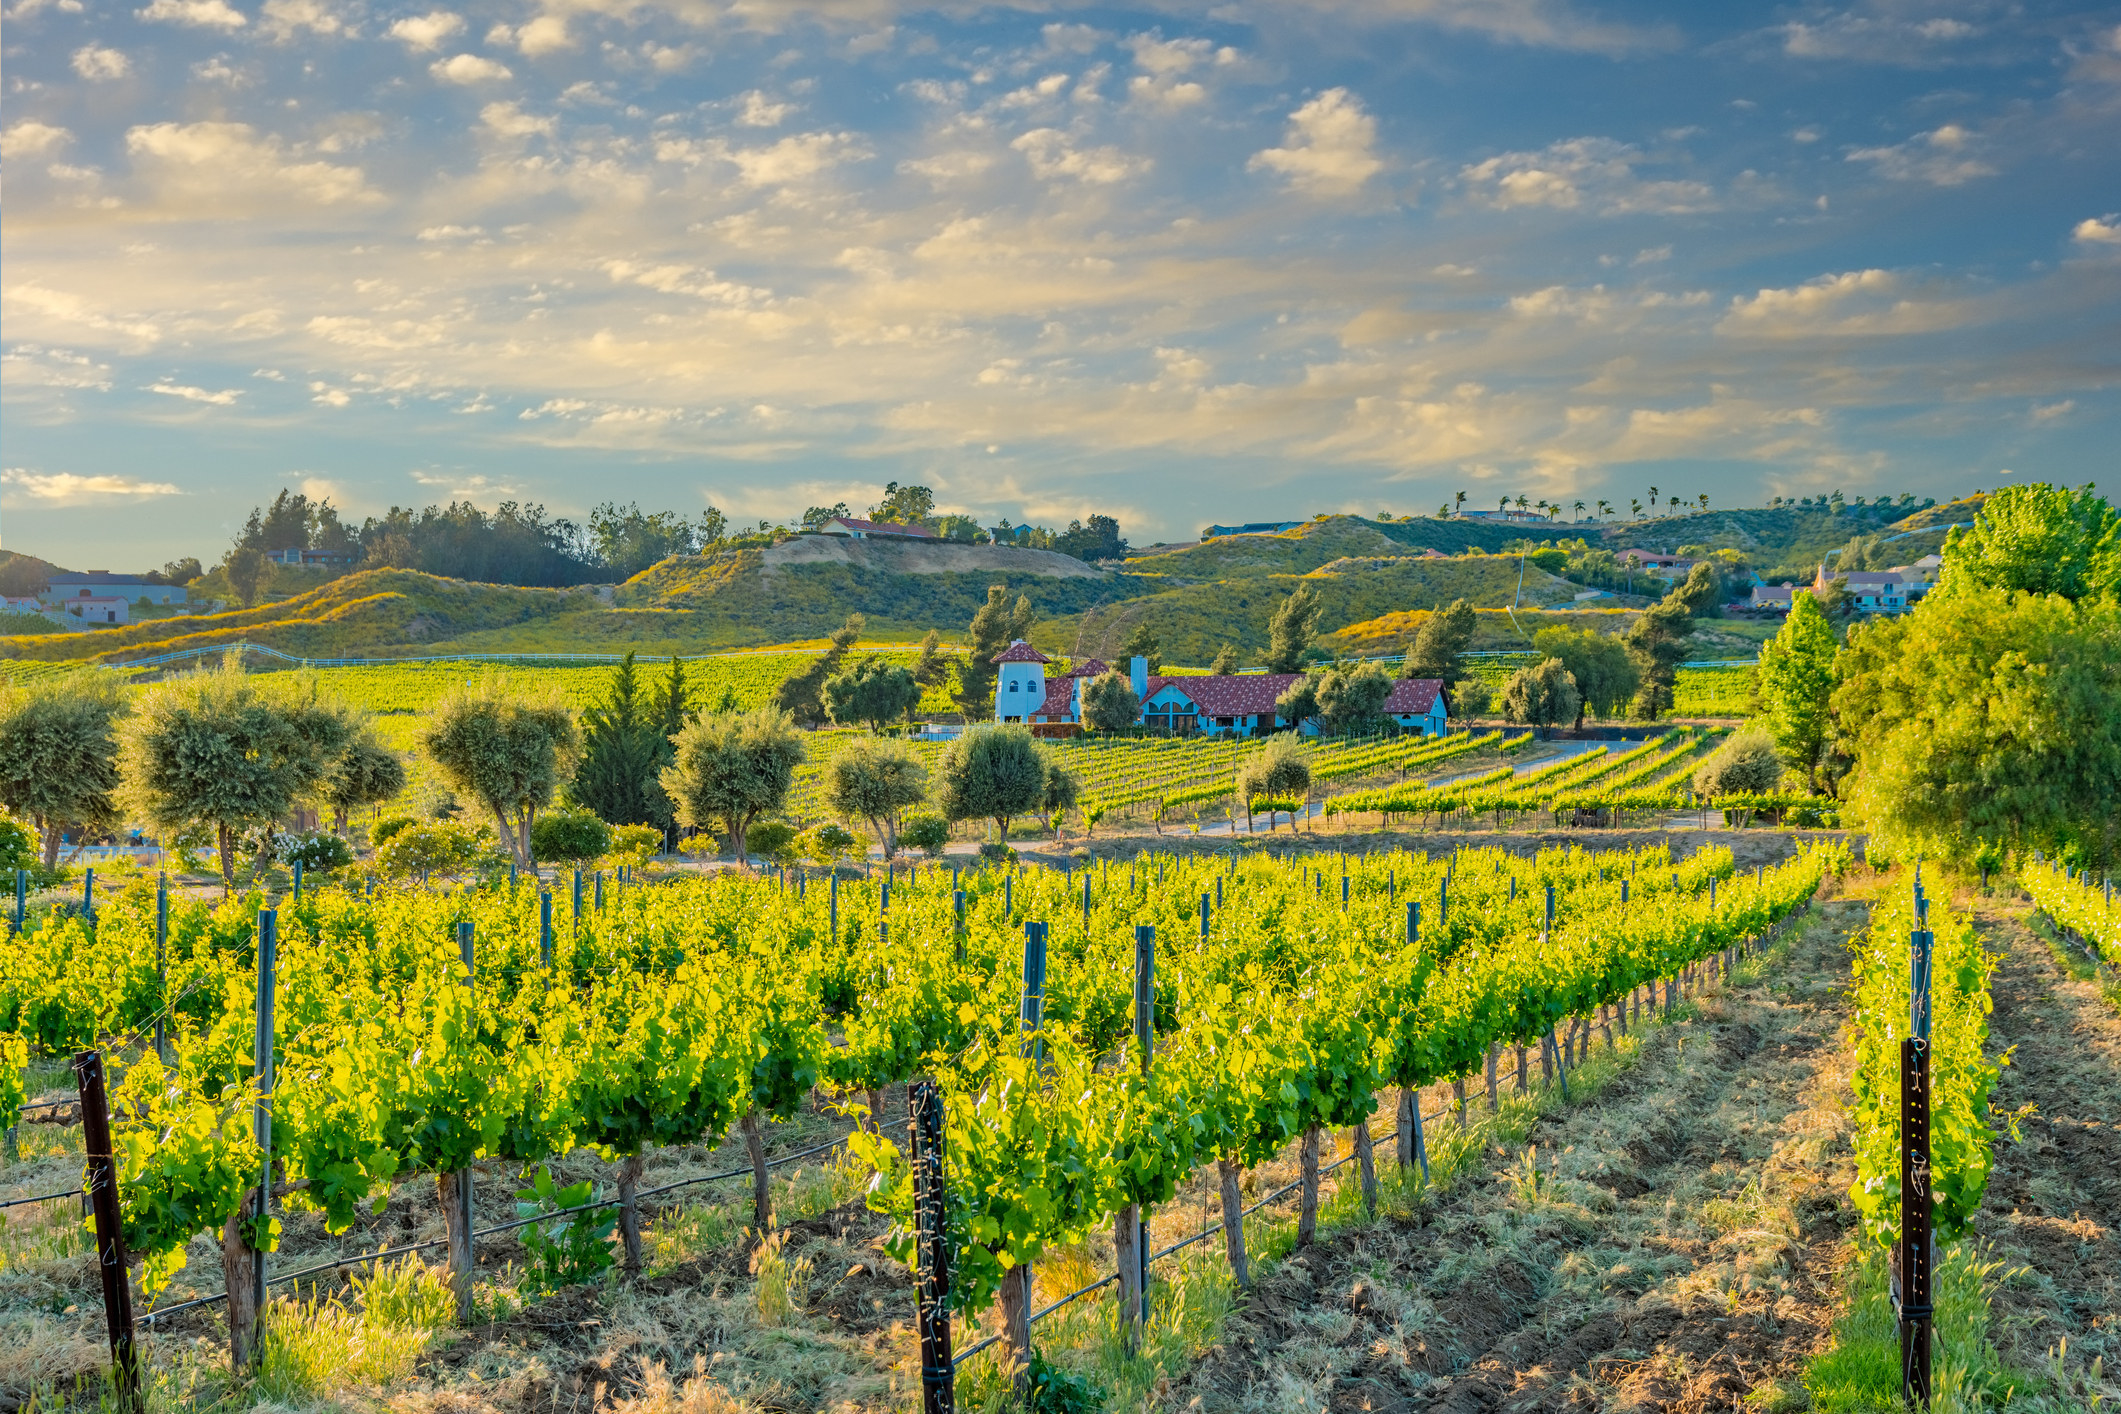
1775 597
1657 560
1020 686
1881 591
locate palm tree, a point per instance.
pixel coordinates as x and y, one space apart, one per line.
1653 498
1704 498
1604 509
1637 507
1461 499
1523 502
1503 503
1579 510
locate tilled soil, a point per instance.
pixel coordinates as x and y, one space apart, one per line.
2053 1209
1671 1243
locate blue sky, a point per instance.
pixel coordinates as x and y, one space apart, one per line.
1183 263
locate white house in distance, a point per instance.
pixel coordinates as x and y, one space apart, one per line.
93 584
851 528
1238 704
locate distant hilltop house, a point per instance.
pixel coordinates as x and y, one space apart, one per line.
1505 517
1237 704
851 528
1892 591
63 588
1256 527
296 555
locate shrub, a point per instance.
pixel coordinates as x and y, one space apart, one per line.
930 834
389 825
635 844
569 837
1747 764
996 852
317 853
826 845
769 839
442 847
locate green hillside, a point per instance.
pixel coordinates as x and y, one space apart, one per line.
1319 542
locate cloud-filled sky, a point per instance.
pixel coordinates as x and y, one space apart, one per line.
1182 262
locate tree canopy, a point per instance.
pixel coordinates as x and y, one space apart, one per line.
1290 631
802 693
1351 698
1606 678
1796 684
992 772
59 753
2038 539
1109 702
1443 636
993 628
872 693
732 767
874 782
1542 694
506 748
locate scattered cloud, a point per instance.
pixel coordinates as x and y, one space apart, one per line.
65 488
224 398
425 33
2052 412
758 111
32 139
200 14
1329 149
509 120
1595 174
1166 64
94 62
1944 157
470 69
1857 303
225 167
2099 230
1053 155
284 19
547 34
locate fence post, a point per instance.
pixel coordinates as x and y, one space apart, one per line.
932 1254
1549 928
957 904
545 927
576 916
1916 1311
88 894
1017 1282
1131 1234
102 1178
261 1114
162 967
1086 898
21 897
464 947
1443 900
297 868
600 891
1203 918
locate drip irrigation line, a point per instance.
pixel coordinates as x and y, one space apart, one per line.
42 1198
151 1316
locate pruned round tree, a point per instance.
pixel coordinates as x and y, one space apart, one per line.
1541 695
211 749
1110 703
993 772
874 781
731 768
59 754
872 693
365 774
569 837
1747 763
508 749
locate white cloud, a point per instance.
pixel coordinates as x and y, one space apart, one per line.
92 62
32 139
284 19
2053 412
794 158
200 14
2101 230
64 488
1856 303
1165 63
1594 173
450 233
760 112
1052 156
324 395
508 120
423 33
224 398
1328 150
547 34
209 165
1946 157
469 69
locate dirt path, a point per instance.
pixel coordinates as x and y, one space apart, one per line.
2054 1200
1668 1245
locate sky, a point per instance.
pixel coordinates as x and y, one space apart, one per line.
1180 263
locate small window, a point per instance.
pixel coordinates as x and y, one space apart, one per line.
1012 685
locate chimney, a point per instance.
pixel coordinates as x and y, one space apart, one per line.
1138 674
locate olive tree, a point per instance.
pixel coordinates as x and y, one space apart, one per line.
1746 764
59 754
1542 695
1110 703
872 692
366 773
1282 771
507 749
993 772
873 781
570 837
1352 699
731 768
1606 678
210 749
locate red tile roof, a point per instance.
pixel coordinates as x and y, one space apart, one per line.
882 527
1240 695
1413 696
1019 652
1060 696
1090 668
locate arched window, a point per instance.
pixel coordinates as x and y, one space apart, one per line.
1012 684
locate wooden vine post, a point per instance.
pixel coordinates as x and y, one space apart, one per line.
110 1235
1130 1225
1916 1311
932 1250
1017 1281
